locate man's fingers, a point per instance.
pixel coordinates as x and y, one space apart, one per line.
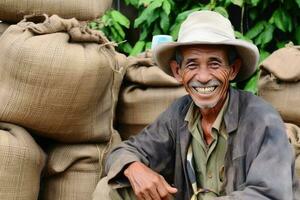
146 196
153 192
163 192
169 188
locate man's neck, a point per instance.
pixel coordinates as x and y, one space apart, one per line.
210 114
208 117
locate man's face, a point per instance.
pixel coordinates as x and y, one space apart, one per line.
205 73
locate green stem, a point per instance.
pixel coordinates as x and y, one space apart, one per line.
212 4
242 19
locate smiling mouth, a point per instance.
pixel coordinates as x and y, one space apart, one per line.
205 90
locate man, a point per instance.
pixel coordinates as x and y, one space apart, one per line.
215 143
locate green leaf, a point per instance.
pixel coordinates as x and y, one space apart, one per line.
156 30
164 22
120 18
297 35
174 30
167 7
115 35
154 17
178 21
263 55
145 3
253 2
266 36
134 3
106 19
239 35
182 16
251 85
148 45
265 4
281 44
138 48
119 29
226 3
144 32
257 29
253 14
239 3
298 2
93 25
282 20
147 13
125 47
222 11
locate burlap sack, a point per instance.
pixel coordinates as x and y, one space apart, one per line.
3 27
143 71
293 133
59 79
73 171
279 82
14 10
21 163
147 91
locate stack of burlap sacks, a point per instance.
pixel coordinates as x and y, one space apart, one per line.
59 85
279 84
145 93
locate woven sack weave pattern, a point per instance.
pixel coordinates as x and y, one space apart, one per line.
73 170
279 82
59 79
147 91
293 133
14 10
21 163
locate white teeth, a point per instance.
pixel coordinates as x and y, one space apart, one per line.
205 90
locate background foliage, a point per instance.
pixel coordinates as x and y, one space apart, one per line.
269 24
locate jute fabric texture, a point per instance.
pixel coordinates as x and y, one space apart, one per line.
139 106
147 91
60 79
279 82
21 163
142 70
14 10
73 170
293 133
3 27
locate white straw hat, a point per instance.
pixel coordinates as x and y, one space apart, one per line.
208 27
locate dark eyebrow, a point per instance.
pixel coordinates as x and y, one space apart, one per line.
216 59
189 60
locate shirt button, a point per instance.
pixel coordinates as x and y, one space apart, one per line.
209 174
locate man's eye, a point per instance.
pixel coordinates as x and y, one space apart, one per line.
214 65
191 66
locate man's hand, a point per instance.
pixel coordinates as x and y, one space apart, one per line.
147 184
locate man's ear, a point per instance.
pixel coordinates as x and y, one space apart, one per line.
235 68
176 70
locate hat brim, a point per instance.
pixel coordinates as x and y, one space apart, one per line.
248 52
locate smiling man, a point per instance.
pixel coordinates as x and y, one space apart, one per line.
215 143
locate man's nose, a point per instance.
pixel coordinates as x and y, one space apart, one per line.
203 75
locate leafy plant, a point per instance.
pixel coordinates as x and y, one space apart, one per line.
269 24
113 24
